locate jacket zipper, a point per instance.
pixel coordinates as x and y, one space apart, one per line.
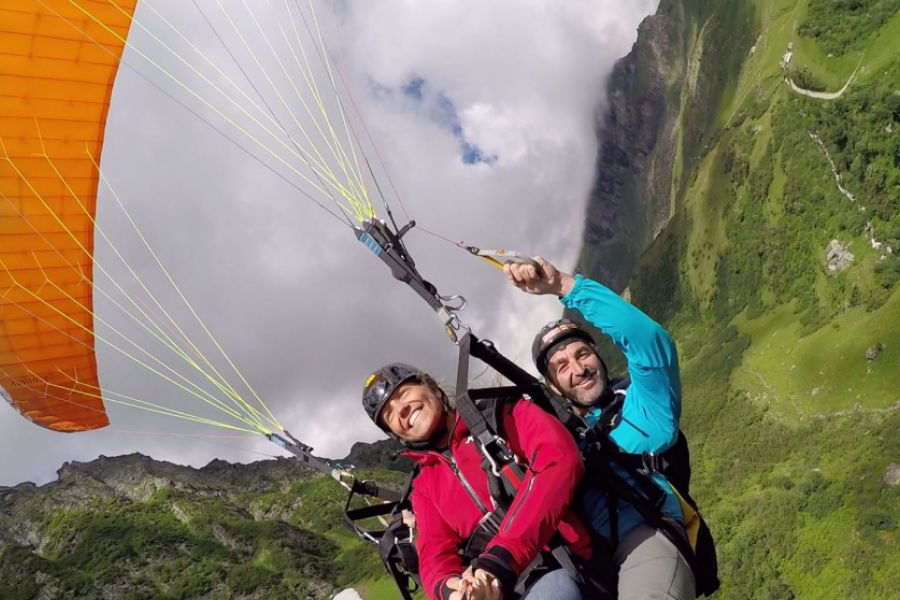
512 515
451 462
462 478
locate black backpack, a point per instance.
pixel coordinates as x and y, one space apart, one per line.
694 540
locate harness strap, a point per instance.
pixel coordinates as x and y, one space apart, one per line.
646 461
489 443
612 505
368 488
368 512
600 466
564 558
395 542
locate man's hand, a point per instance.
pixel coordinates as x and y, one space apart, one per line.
546 279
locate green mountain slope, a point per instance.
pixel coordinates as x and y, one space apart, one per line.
130 528
791 371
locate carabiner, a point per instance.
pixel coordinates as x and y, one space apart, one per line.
461 302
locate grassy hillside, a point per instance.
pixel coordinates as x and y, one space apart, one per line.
792 426
129 528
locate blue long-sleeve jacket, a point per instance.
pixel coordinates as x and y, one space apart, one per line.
652 408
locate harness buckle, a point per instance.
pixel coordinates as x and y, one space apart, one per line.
496 447
489 523
654 463
494 468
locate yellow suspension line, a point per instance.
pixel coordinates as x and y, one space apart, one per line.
104 340
324 55
341 189
355 181
263 112
124 262
189 306
363 211
81 246
217 111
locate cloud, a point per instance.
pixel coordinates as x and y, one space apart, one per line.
483 115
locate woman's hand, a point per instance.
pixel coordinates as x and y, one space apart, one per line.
477 585
461 586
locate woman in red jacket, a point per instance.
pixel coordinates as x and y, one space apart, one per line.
450 494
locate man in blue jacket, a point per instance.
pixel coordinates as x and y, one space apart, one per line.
650 565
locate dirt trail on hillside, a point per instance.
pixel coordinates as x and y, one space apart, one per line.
825 95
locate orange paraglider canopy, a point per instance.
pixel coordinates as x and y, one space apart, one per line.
58 61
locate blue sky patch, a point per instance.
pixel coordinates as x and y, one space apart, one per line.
441 111
413 89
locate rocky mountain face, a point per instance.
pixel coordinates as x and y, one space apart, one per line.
131 527
135 478
381 454
630 200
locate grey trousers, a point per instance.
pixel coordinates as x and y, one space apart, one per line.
651 568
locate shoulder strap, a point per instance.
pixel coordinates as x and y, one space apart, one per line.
621 383
611 418
492 411
502 482
674 463
499 461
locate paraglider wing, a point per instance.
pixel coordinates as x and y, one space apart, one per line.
55 86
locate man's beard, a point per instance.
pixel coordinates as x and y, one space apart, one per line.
587 398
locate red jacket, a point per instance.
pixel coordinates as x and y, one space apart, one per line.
446 515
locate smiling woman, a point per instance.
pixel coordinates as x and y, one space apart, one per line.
407 403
